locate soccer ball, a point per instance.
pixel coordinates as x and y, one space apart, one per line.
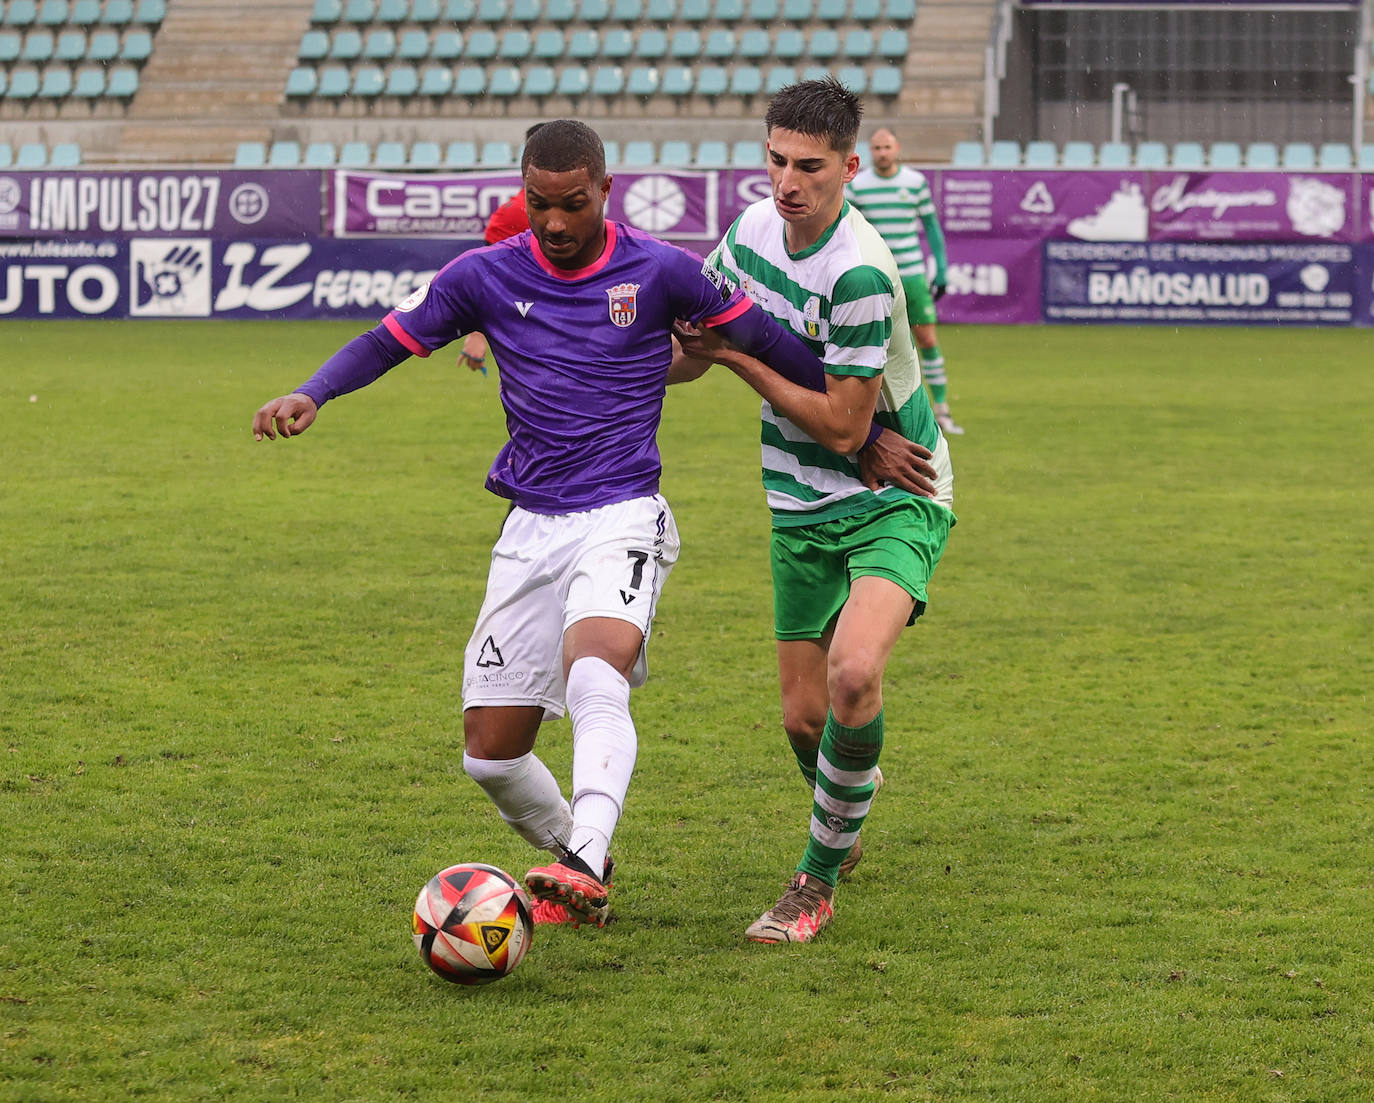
472 923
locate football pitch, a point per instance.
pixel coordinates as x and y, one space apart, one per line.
1123 851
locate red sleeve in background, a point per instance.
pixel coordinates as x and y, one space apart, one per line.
507 220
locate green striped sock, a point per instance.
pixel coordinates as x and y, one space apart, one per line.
933 372
844 791
806 762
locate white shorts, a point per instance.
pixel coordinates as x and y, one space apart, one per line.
547 573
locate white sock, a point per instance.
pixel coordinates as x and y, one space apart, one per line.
604 748
527 796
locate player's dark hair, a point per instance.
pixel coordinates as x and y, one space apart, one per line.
565 145
823 109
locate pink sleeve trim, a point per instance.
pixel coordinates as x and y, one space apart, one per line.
730 313
396 330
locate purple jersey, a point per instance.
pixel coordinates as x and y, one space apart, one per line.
583 354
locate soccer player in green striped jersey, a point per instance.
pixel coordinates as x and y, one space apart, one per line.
895 197
851 557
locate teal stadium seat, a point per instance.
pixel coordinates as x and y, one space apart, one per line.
71 47
118 13
628 11
380 44
885 81
24 84
608 80
832 11
967 155
779 76
1151 155
727 11
859 45
574 81
823 44
798 12
638 154
593 11
789 44
675 153
694 11
470 81
540 82
333 82
503 81
755 45
436 81
1299 155
893 45
1041 155
425 155
720 45
547 44
64 155
866 11
1114 155
524 11
481 45
560 11
301 82
652 44
151 13
516 45
320 155
359 11
459 12
816 72
612 151
677 81
31 155
425 12
413 45
746 80
460 154
38 46
1188 155
392 12
446 46
712 81
642 81
1004 154
326 12
402 81
56 84
138 47
1225 155
746 154
712 154
900 11
90 83
6 153
250 155
685 44
369 81
284 153
1080 155
660 11
617 43
11 46
102 46
390 155
855 79
764 11
85 14
1366 158
496 155
355 155
314 46
584 45
346 45
121 83
21 13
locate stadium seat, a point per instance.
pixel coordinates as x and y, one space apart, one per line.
779 76
1041 155
711 154
865 11
1151 155
628 11
1078 155
359 11
6 155
325 12
424 11
720 45
333 83
798 12
470 81
346 45
638 154
547 44
1299 155
676 81
1114 155
301 82
832 11
789 44
390 155
137 47
104 46
652 44
413 45
380 44
855 78
574 81
11 45
675 153
540 81
121 82
560 11
815 72
754 44
392 12
617 43
402 81
515 45
1224 155
685 44
584 45
1004 154
21 13
1335 157
150 13
608 80
369 81
31 155
642 81
496 155
320 155
90 83
71 46
859 44
56 84
900 11
823 44
38 46
314 46
748 154
118 13
85 13
1188 155
524 11
460 154
436 80
764 11
967 155
446 46
712 81
425 155
893 45
503 81
355 155
481 45
284 153
694 11
612 151
886 81
746 80
1366 158
250 155
24 84
727 11
459 12
491 11
660 11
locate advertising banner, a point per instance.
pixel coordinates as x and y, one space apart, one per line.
993 280
676 205
1252 206
1089 206
207 278
1200 282
93 204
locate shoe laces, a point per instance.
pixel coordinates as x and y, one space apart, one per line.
800 899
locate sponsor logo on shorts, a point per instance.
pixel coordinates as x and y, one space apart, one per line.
490 654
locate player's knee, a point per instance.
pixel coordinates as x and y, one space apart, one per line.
854 686
803 724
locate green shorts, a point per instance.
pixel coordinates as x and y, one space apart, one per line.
814 565
920 307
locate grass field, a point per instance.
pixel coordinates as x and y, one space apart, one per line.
1123 852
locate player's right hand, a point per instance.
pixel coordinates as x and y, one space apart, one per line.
291 415
937 290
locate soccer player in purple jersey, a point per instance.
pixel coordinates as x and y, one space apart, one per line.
578 311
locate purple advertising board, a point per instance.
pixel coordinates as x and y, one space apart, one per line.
207 278
91 204
1252 206
1091 206
1207 283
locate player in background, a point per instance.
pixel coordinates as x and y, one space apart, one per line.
509 219
851 558
894 197
577 571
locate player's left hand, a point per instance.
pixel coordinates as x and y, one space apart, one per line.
894 459
699 342
937 290
288 416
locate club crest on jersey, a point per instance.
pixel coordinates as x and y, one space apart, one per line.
811 317
624 304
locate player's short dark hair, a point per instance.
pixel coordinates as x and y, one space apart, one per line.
565 145
823 109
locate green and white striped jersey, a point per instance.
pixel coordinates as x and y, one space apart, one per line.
894 204
839 296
